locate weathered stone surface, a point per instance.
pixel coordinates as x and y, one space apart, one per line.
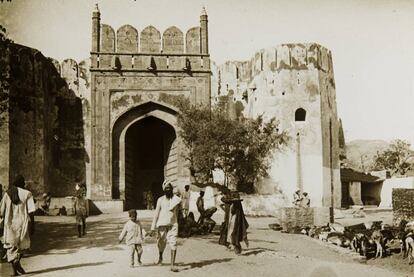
173 40
150 40
320 216
276 82
127 39
294 219
107 38
402 205
45 123
192 41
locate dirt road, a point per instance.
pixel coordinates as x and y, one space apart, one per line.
58 252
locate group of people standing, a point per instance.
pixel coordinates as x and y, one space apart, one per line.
17 208
165 224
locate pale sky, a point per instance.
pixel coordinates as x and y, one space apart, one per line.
372 43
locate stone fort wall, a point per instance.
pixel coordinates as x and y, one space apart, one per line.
42 136
59 127
136 74
127 49
277 82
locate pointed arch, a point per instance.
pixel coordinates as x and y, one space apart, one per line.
159 111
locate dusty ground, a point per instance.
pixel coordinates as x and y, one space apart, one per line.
58 252
393 261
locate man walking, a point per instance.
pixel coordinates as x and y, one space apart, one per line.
166 223
16 208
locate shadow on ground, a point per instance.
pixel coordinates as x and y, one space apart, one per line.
256 250
61 237
65 267
264 241
187 266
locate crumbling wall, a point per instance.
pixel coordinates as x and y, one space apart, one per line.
31 101
43 134
5 71
69 152
277 82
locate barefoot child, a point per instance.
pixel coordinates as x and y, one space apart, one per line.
134 236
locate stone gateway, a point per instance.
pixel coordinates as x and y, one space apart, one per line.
135 80
111 121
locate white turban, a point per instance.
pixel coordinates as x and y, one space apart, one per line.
166 183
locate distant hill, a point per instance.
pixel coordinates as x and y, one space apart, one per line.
360 153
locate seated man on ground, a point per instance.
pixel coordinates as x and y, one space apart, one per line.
205 221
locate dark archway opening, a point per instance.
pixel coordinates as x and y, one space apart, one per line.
147 148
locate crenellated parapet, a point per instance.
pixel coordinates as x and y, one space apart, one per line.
128 49
293 56
74 73
285 56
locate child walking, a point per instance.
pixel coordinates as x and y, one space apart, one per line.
134 236
81 209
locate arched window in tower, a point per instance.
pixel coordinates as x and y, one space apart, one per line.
300 115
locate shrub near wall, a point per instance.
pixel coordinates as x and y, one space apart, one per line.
402 205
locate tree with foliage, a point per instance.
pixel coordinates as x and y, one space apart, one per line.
241 148
397 159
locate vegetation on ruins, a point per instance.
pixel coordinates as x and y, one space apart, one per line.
398 158
241 148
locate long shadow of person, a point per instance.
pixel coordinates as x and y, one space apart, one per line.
187 266
255 251
66 267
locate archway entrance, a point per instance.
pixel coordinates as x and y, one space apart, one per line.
148 145
144 152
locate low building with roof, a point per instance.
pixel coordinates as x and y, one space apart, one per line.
360 189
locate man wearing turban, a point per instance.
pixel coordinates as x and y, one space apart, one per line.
165 222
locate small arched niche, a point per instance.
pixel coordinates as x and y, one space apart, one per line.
300 115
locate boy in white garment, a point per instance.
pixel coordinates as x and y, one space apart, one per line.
134 236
